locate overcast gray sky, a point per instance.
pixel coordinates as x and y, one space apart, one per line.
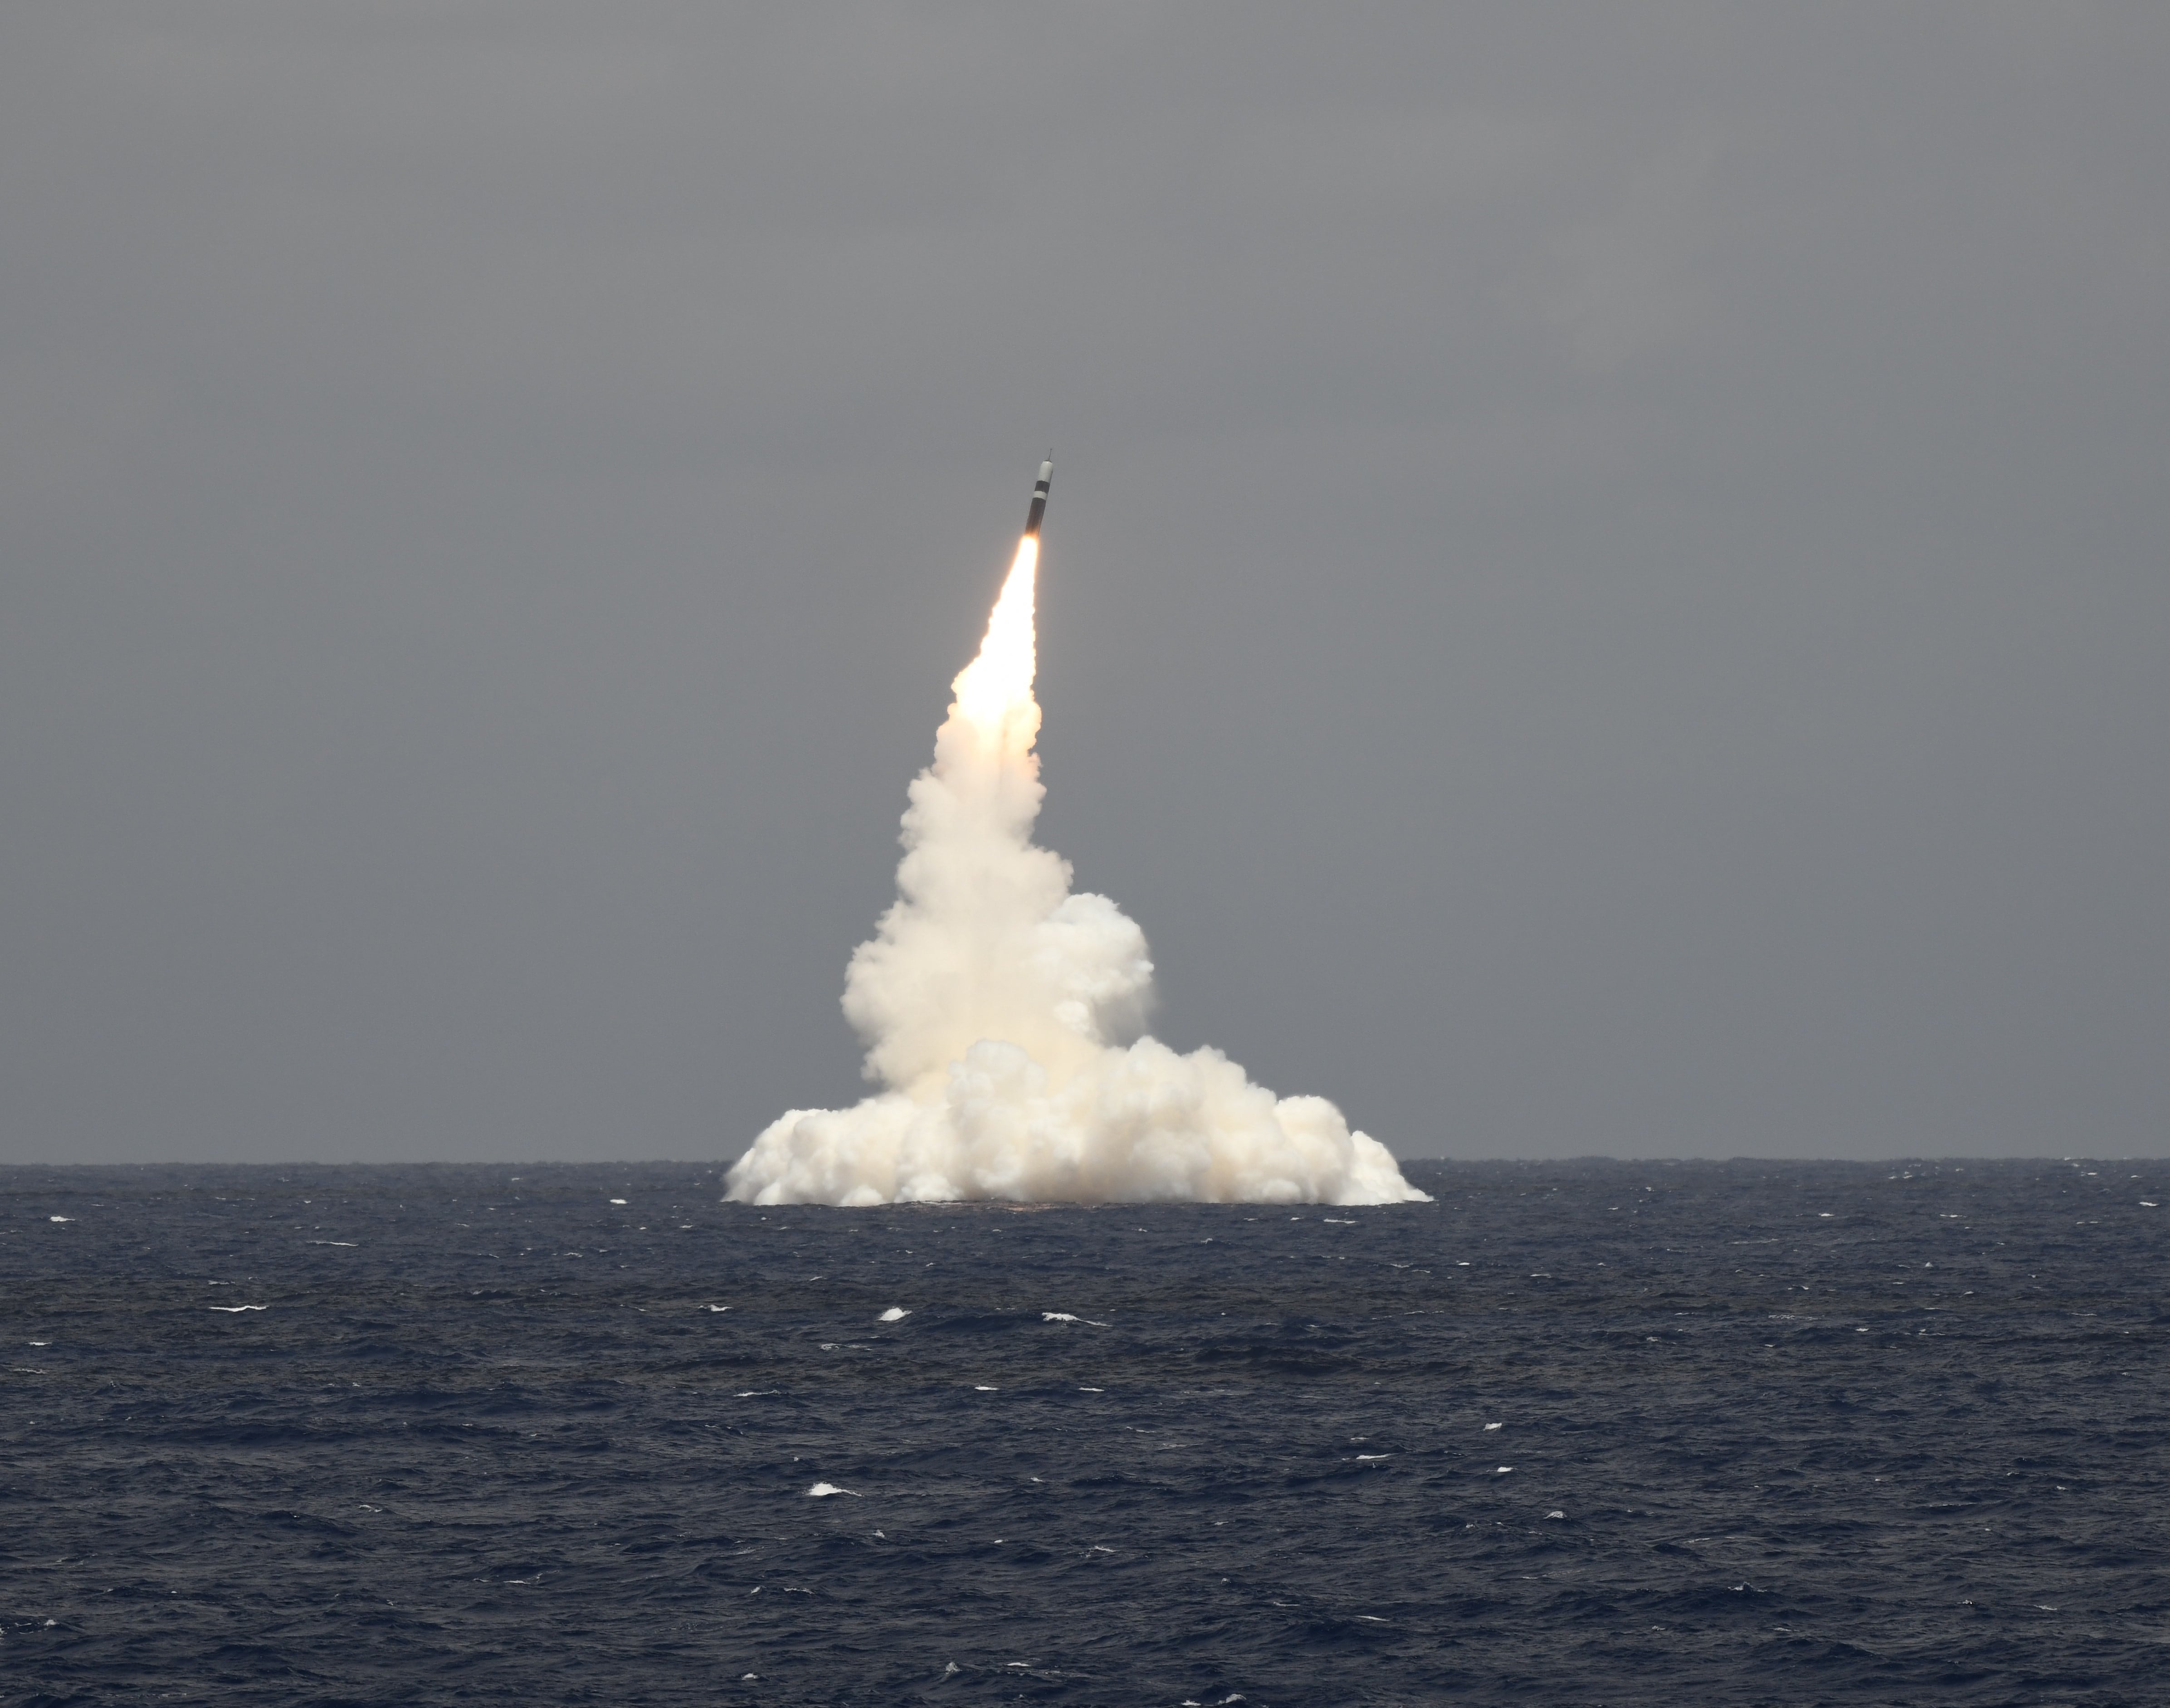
1606 589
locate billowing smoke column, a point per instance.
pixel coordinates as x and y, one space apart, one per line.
993 1001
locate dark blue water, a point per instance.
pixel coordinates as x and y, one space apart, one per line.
1764 1434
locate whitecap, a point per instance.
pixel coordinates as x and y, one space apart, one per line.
232 1310
59 1219
1366 1458
895 1313
1503 1470
982 1388
715 1307
1064 1317
1495 1426
821 1490
1555 1514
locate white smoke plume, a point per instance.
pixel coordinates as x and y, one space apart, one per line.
995 1003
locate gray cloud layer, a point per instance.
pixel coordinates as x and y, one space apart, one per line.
1606 589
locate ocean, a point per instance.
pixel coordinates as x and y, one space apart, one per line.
1586 1432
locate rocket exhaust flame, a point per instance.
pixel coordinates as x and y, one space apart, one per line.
994 691
1003 1014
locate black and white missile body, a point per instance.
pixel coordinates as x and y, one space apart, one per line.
1040 496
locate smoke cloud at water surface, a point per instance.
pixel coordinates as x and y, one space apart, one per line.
996 1004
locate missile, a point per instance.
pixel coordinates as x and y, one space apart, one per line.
1039 496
